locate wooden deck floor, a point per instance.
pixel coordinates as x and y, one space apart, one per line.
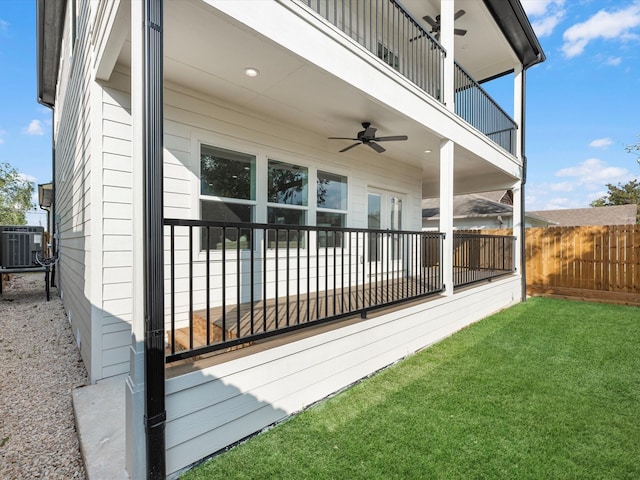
239 321
247 319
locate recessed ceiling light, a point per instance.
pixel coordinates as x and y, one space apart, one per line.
427 151
251 72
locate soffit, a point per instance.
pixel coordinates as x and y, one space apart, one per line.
207 52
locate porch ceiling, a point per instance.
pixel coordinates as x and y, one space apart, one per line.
207 52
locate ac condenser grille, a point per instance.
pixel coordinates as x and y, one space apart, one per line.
19 246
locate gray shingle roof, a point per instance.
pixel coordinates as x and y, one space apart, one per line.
576 217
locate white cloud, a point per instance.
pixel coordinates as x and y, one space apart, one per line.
4 25
562 187
28 178
545 15
537 8
545 26
34 128
613 61
601 142
2 134
607 25
594 173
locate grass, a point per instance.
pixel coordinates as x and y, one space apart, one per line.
545 389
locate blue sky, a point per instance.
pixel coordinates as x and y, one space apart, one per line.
583 103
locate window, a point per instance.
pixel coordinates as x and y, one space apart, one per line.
332 207
287 196
227 194
287 184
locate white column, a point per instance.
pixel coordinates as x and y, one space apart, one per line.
447 11
517 225
446 213
518 113
135 397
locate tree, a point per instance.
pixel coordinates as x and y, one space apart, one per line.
15 196
626 194
635 149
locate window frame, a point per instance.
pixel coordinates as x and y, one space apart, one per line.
201 198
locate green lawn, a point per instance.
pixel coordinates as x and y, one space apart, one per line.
548 389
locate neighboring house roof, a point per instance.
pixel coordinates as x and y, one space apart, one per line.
475 206
470 205
500 196
575 217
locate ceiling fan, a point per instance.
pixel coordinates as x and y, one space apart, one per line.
435 24
368 137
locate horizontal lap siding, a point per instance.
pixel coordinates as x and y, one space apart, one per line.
212 408
117 226
73 186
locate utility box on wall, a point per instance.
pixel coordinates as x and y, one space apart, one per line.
19 245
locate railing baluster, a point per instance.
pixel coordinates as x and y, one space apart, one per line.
298 279
208 286
265 241
308 277
191 288
287 274
277 268
238 282
224 284
252 246
173 288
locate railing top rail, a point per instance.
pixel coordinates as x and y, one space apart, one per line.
481 235
486 94
270 226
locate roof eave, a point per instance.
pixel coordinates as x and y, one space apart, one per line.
515 25
50 26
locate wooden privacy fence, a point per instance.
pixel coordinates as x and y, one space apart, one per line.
600 263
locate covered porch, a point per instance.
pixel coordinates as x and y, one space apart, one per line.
272 279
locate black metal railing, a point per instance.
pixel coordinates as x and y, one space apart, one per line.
258 280
477 107
388 31
481 257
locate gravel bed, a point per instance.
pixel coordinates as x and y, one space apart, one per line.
39 366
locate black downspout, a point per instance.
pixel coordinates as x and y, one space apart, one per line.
52 212
523 232
155 414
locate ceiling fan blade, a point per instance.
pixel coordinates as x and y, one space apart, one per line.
343 138
392 138
376 147
458 14
349 147
460 31
430 21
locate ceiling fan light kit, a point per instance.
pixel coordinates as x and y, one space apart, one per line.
368 137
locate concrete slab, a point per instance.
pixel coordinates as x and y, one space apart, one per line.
100 420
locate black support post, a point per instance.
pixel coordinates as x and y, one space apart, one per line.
523 221
155 414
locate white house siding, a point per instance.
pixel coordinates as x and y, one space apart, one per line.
212 408
115 314
73 184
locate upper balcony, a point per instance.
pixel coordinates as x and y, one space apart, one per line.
411 46
326 66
